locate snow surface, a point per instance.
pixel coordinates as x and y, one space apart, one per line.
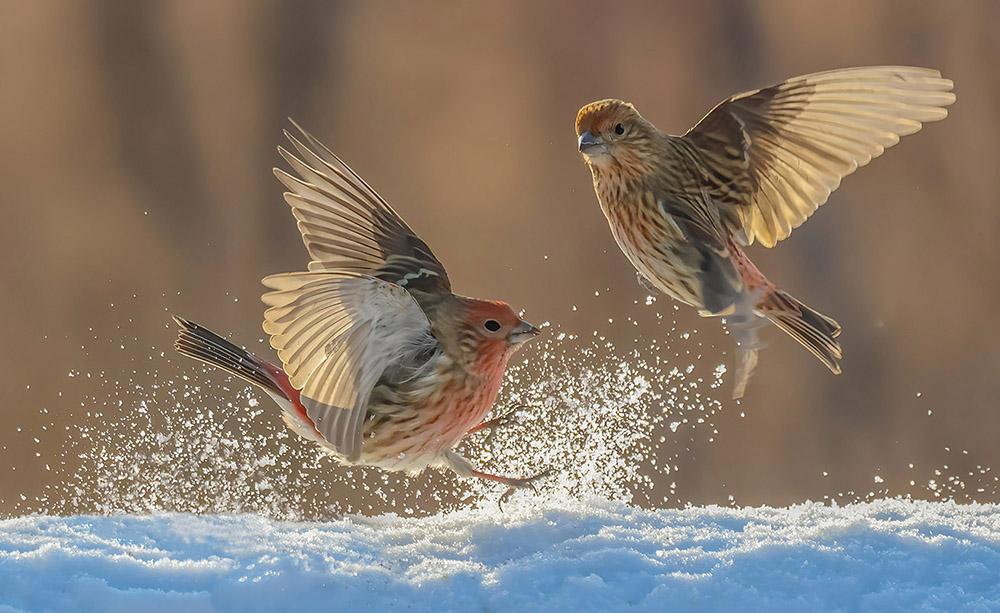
885 555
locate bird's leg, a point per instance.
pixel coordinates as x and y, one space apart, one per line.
744 323
497 422
513 483
464 468
746 361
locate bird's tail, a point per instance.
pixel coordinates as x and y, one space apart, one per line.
815 331
200 343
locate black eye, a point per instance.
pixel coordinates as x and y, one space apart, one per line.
492 325
619 129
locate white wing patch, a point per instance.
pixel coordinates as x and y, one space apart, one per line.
336 333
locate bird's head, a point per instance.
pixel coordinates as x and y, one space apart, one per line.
491 331
612 132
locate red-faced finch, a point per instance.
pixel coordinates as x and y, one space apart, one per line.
381 364
682 208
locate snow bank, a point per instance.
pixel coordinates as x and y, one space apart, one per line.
881 556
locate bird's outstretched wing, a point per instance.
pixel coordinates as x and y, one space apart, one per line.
347 226
336 333
776 154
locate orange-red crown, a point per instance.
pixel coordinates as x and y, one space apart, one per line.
598 116
489 309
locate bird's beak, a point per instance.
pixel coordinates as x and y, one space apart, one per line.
523 332
592 145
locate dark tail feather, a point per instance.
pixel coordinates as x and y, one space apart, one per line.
202 344
811 328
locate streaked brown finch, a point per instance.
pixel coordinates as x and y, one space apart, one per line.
682 208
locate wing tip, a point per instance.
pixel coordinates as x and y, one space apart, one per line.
292 121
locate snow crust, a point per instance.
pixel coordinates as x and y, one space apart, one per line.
887 555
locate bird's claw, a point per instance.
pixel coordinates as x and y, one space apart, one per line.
519 484
497 422
646 284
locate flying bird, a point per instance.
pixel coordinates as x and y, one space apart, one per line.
683 208
381 364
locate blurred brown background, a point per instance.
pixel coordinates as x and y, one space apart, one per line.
138 138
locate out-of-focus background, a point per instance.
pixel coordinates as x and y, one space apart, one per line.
135 179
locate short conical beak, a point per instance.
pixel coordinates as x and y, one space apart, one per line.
523 332
591 145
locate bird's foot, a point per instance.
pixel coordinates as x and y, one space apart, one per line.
743 324
513 483
498 422
646 284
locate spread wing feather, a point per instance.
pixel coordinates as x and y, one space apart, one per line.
336 333
776 154
347 226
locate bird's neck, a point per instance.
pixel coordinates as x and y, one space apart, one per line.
613 183
627 171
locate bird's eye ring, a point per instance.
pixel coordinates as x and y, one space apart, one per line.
619 129
492 325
